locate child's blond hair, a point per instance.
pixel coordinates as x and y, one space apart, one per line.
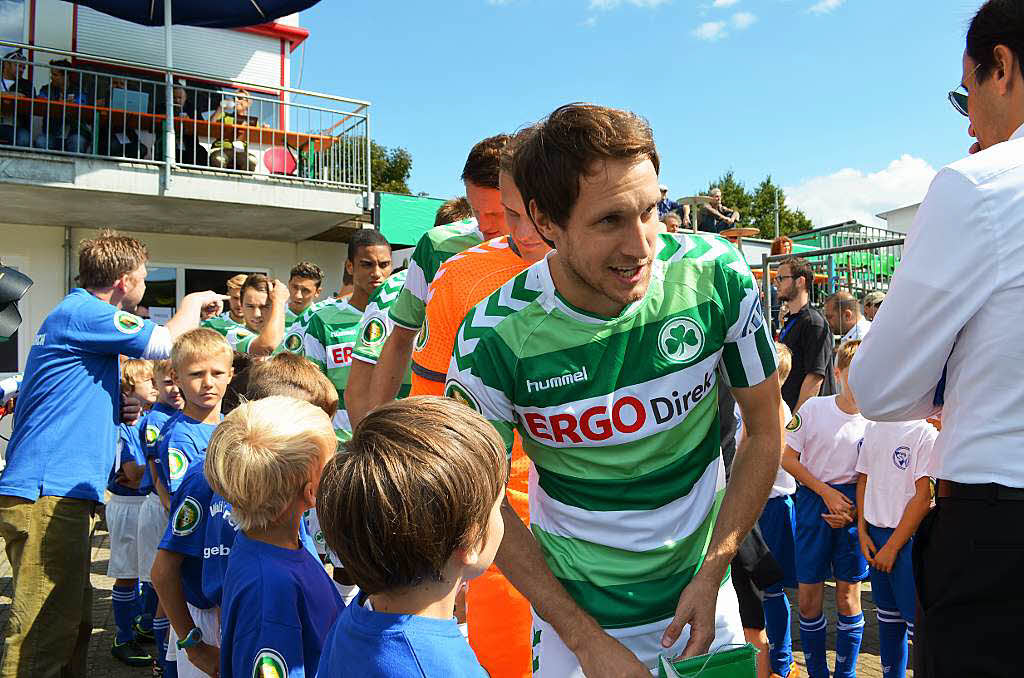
199 343
161 369
262 455
133 372
845 353
785 361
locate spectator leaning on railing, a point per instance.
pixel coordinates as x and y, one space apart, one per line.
16 129
230 152
62 450
64 129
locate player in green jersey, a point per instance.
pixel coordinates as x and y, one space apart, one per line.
332 330
607 357
232 317
305 281
263 305
480 175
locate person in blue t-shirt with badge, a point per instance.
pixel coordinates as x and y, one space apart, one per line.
59 457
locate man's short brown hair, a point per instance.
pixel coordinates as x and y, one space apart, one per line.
257 281
287 374
454 210
800 268
308 271
557 153
235 282
416 482
108 256
484 161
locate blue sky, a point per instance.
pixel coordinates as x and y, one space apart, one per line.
842 101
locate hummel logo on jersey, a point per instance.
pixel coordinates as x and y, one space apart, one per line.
754 320
681 340
554 382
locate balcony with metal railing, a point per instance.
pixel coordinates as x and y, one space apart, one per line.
97 142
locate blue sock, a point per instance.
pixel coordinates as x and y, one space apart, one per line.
148 601
812 637
892 643
124 602
849 633
776 626
160 628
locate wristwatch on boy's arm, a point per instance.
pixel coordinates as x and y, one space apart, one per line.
193 638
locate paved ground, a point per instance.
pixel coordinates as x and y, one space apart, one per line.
102 665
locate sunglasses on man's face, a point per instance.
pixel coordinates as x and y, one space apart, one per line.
958 97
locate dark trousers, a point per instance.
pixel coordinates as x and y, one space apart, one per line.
969 574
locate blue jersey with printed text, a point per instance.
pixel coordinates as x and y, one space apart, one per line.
182 443
65 427
186 531
277 607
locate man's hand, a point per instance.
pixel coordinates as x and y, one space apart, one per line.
697 608
131 409
205 299
211 310
602 656
835 500
885 559
279 293
206 658
867 547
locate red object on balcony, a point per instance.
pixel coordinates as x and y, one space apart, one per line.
279 160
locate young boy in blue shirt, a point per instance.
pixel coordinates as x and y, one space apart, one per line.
894 494
278 602
201 367
413 509
127 492
822 443
151 625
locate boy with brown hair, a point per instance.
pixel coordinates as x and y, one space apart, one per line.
266 459
413 510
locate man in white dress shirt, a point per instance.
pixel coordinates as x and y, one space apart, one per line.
950 331
842 311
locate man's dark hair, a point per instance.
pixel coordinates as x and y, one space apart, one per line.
998 22
366 237
800 268
454 210
553 157
484 161
256 281
307 270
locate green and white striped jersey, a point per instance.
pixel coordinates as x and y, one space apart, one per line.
240 337
329 340
295 326
434 248
377 325
222 323
620 417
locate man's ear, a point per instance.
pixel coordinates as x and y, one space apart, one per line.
545 227
1005 69
348 266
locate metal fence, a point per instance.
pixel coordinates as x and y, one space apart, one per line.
857 271
856 268
117 110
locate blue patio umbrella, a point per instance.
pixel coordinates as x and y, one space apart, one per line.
206 13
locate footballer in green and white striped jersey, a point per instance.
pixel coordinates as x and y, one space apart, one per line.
376 326
328 342
295 326
222 324
620 418
434 248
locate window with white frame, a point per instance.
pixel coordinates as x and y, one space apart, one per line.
166 284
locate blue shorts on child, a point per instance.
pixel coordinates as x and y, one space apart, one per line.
826 552
778 527
894 590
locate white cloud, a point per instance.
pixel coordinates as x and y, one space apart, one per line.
589 22
612 4
724 3
825 6
710 31
743 20
851 194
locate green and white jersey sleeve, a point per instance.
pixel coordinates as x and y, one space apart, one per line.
241 337
222 324
329 340
295 327
377 325
434 248
620 417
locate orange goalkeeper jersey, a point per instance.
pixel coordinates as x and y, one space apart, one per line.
500 623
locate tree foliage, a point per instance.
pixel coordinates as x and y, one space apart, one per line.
390 168
757 209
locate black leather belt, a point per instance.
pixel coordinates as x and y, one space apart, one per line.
949 489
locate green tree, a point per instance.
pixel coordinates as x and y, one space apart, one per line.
762 211
390 168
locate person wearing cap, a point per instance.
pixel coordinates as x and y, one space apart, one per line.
15 131
666 204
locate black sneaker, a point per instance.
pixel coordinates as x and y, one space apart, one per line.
130 653
142 635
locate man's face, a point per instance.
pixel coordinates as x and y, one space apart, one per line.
255 308
179 96
369 268
716 198
203 382
168 392
486 204
134 288
235 301
242 104
785 283
13 69
607 247
984 106
869 311
301 293
672 223
57 77
521 228
837 319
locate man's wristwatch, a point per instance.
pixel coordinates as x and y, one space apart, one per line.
194 637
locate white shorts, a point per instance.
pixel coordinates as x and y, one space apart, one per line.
208 622
552 659
123 525
152 525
